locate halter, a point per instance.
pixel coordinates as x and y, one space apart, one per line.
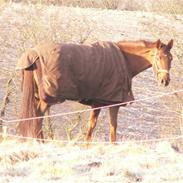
155 65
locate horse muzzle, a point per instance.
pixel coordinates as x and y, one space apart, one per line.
163 79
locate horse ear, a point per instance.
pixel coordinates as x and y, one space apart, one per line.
170 44
158 44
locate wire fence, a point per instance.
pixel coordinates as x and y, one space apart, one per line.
96 108
4 123
6 135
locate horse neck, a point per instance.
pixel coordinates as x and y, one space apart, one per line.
137 56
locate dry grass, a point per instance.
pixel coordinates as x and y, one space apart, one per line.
100 163
159 6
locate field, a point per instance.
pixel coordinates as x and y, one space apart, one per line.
53 162
157 114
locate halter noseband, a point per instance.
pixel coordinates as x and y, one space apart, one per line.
155 65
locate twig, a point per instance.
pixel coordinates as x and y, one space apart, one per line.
72 127
4 103
6 97
49 126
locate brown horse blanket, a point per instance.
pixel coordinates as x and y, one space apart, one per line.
83 72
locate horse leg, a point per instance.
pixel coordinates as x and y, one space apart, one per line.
113 111
92 122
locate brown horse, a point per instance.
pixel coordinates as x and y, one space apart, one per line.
53 73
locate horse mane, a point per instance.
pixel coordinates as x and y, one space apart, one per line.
137 44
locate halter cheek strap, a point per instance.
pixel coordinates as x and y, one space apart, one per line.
163 71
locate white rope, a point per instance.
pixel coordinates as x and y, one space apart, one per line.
88 110
95 142
1 119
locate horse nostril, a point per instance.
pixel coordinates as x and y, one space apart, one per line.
167 83
164 82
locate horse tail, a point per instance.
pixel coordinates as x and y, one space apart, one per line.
29 108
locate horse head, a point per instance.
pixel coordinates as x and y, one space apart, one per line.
161 61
